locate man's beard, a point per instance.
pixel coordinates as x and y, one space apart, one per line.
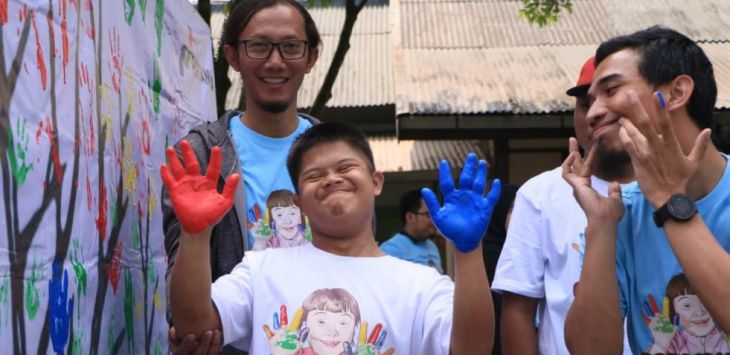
611 164
274 107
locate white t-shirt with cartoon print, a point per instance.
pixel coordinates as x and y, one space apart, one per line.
303 300
542 256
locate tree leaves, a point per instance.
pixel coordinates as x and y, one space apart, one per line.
544 12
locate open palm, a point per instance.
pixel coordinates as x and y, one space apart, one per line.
195 199
465 215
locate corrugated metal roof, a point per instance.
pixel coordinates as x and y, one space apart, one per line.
524 80
366 76
392 155
720 56
478 57
474 24
499 80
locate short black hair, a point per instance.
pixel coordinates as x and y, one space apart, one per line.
665 54
410 201
244 11
323 133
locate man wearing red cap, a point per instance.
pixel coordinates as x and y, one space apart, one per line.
543 253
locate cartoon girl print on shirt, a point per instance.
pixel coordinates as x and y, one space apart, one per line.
284 224
325 325
684 325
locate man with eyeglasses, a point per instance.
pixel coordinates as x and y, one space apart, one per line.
272 44
413 242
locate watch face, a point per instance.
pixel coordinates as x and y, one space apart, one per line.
681 207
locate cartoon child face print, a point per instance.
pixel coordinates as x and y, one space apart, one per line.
693 316
329 331
325 324
682 325
287 221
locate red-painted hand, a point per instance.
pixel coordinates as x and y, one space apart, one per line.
195 199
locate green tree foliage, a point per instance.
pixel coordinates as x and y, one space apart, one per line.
544 12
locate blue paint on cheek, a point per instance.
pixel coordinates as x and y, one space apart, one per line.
60 307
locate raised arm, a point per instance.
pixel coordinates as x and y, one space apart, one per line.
594 324
663 169
198 206
463 219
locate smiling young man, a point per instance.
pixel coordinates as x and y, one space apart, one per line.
405 307
543 253
653 96
272 44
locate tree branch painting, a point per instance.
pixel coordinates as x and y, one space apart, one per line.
90 92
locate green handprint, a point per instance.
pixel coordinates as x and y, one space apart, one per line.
32 300
79 269
286 338
16 152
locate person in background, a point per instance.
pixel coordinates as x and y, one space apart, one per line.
414 241
492 247
543 254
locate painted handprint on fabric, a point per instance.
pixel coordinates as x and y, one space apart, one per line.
60 307
286 338
258 228
371 345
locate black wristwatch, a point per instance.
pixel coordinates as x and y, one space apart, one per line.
679 208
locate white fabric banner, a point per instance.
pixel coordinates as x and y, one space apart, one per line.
91 93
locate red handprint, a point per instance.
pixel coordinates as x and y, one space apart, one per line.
116 63
197 203
115 267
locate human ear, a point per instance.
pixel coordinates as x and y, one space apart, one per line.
679 92
312 58
410 216
231 54
378 180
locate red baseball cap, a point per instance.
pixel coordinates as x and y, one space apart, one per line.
585 78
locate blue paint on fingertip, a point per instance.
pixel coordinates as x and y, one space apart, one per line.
662 102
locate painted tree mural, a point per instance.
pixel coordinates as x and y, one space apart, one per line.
91 92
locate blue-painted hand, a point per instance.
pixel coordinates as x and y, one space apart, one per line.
61 308
465 215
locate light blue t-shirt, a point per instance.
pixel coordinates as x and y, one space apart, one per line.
403 247
649 272
266 178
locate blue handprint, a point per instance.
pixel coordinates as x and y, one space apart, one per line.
465 215
61 308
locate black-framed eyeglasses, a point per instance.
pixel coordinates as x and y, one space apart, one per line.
261 49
